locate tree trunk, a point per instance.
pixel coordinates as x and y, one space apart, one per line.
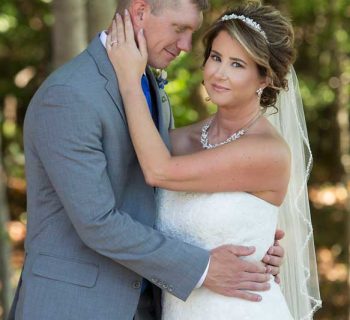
100 14
343 123
70 29
5 287
343 96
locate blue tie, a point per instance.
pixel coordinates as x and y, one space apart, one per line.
147 92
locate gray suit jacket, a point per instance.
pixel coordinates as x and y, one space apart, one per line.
90 213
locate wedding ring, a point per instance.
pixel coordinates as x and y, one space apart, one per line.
113 42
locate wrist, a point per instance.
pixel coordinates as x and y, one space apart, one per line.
130 85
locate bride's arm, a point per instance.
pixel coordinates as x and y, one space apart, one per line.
245 165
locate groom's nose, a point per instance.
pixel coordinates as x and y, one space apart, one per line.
185 42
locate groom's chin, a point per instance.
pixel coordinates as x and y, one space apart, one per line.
161 62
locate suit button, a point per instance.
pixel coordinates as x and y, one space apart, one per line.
136 285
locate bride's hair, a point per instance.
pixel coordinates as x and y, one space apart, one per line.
272 48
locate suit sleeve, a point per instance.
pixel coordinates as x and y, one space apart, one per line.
69 143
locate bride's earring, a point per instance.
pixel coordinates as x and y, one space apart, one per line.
259 92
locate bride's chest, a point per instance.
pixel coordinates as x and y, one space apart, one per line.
209 220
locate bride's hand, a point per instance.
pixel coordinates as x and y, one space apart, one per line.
128 59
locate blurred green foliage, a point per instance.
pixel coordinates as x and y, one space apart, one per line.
323 67
24 60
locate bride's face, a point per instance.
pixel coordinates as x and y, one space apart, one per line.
231 76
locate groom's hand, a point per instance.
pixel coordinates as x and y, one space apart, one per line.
231 276
274 256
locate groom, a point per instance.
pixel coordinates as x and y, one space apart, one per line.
90 244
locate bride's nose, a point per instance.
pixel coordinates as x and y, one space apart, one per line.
221 72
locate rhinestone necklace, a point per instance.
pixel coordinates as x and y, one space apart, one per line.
236 135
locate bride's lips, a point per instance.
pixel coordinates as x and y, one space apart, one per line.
219 88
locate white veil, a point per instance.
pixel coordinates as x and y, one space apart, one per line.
299 279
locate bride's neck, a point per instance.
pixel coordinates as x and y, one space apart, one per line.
227 121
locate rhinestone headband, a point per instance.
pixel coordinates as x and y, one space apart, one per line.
250 22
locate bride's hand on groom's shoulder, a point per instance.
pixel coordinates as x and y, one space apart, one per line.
128 59
231 276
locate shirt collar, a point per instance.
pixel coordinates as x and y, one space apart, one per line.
103 37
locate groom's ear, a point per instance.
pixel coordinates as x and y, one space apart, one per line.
139 9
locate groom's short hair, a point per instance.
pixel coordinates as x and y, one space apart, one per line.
157 5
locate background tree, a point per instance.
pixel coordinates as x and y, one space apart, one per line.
70 32
100 13
5 288
28 53
76 23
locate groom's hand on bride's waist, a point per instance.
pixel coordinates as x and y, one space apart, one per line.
231 276
274 256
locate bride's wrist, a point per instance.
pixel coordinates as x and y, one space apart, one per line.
129 81
127 87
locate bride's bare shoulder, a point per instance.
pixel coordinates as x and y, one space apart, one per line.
186 140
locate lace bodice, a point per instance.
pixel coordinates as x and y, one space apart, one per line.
211 220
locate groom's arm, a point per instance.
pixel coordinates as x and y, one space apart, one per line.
68 140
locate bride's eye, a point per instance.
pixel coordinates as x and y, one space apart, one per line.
215 57
237 65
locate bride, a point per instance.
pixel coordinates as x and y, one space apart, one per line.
227 179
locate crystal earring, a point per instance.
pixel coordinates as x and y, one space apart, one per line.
259 92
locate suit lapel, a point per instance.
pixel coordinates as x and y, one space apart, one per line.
99 54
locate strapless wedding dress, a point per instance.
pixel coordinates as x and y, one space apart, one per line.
211 220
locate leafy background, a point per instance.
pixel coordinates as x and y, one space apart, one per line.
36 36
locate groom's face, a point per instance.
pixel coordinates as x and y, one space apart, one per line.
169 31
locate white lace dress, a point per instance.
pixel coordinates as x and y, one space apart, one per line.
211 220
